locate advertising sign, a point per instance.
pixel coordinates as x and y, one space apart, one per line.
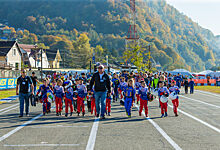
7 83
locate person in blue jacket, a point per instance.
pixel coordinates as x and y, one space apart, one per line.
191 85
129 97
178 80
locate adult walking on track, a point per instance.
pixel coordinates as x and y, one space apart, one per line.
102 88
25 87
35 81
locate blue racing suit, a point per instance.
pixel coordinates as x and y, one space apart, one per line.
44 90
129 96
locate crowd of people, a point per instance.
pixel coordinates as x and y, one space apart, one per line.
98 91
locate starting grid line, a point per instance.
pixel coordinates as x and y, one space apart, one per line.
40 145
161 131
197 119
19 128
93 133
200 101
209 94
9 107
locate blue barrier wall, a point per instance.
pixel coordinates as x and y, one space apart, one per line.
7 83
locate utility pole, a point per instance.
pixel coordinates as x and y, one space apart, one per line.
149 58
90 66
41 72
64 58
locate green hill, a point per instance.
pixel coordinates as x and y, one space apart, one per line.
177 41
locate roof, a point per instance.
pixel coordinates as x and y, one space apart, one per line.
51 54
5 47
23 51
27 47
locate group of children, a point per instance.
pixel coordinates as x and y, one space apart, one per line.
127 88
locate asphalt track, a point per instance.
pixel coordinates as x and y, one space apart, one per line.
196 128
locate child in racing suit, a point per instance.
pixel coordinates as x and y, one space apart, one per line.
175 102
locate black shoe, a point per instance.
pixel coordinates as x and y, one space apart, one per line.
66 115
71 113
20 116
97 115
102 117
77 113
44 113
60 113
165 114
83 114
57 114
109 114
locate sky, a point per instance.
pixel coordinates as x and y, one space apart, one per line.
205 12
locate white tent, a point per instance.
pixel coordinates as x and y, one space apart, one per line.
205 72
181 70
214 74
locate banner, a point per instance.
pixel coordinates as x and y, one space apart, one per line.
7 83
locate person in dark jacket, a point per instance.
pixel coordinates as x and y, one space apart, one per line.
186 85
24 89
102 85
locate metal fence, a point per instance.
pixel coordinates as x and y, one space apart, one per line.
15 73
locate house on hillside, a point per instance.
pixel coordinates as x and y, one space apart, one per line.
34 55
54 57
10 55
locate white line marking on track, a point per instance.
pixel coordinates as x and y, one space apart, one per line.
197 119
34 145
200 101
9 107
18 128
211 94
162 132
92 137
8 110
58 126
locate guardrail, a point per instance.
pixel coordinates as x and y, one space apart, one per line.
15 73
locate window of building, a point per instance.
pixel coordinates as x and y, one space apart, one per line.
14 52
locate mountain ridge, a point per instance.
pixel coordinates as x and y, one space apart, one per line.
176 40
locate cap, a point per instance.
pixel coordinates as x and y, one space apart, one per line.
100 67
33 72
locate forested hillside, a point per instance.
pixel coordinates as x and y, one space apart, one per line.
100 26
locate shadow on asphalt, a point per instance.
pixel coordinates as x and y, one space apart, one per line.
44 120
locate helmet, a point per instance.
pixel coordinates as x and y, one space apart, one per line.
155 92
173 95
50 97
150 97
163 99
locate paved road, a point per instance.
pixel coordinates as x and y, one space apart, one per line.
196 127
